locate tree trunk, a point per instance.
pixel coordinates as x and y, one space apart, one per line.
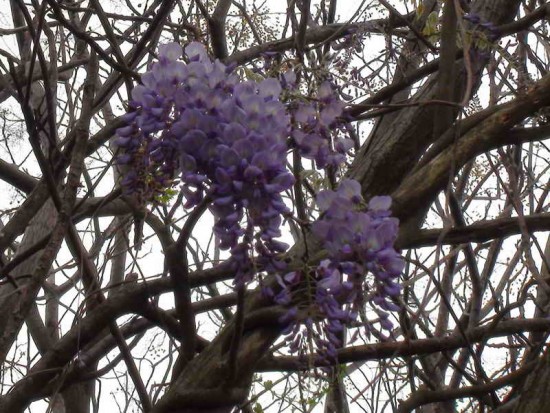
535 395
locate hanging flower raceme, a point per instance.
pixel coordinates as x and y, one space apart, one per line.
226 141
359 239
316 125
221 137
362 267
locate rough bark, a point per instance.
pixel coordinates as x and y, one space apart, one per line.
535 395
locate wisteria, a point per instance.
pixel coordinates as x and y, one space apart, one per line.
315 124
360 239
362 266
222 138
225 141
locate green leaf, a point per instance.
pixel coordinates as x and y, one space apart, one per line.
250 75
166 196
419 10
258 409
431 24
313 177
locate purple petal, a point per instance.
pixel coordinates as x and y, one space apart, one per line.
170 51
380 203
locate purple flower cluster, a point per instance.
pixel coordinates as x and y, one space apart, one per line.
226 142
359 239
315 128
225 139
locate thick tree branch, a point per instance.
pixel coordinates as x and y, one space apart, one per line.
407 348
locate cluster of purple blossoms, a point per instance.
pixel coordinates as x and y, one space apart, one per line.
315 127
359 240
226 142
224 139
